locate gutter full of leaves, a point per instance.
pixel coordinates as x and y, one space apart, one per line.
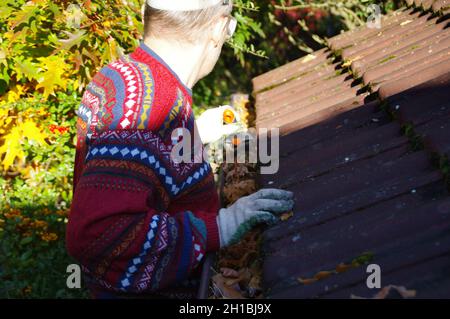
235 272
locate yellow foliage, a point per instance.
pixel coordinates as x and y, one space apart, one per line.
14 94
12 146
3 58
49 237
53 76
4 120
27 11
32 132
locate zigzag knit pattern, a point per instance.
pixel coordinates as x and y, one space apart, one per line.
139 223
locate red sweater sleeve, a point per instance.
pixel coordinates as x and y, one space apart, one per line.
122 227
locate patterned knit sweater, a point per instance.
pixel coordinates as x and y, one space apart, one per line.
139 222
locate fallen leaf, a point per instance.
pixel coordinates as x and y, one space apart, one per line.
406 22
286 216
234 191
243 278
405 293
237 172
363 259
322 275
343 267
223 290
347 63
239 264
385 291
229 273
306 281
255 282
308 58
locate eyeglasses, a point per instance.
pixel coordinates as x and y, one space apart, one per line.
232 24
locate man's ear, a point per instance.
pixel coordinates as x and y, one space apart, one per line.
218 30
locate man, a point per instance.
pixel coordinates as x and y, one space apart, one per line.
141 223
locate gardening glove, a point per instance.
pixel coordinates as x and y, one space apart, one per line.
246 212
214 123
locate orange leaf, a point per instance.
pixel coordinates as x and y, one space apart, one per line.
306 281
343 267
286 216
322 275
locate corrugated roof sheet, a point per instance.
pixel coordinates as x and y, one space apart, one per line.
365 125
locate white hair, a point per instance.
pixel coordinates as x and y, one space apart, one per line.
186 25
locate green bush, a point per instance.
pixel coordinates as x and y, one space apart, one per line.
35 195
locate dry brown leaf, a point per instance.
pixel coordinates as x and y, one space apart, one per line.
255 282
405 293
225 291
238 172
242 254
322 275
243 278
254 287
286 216
343 267
243 260
308 58
318 276
234 191
384 293
239 264
306 281
406 22
229 273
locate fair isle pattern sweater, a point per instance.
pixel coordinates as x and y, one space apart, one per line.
139 222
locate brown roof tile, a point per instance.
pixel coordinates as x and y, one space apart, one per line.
288 71
441 5
361 163
348 39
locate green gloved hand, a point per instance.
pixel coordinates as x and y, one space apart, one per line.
260 207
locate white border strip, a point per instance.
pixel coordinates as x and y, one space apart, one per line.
182 5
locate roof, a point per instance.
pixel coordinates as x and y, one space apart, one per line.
365 143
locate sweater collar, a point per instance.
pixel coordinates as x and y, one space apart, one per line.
154 55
